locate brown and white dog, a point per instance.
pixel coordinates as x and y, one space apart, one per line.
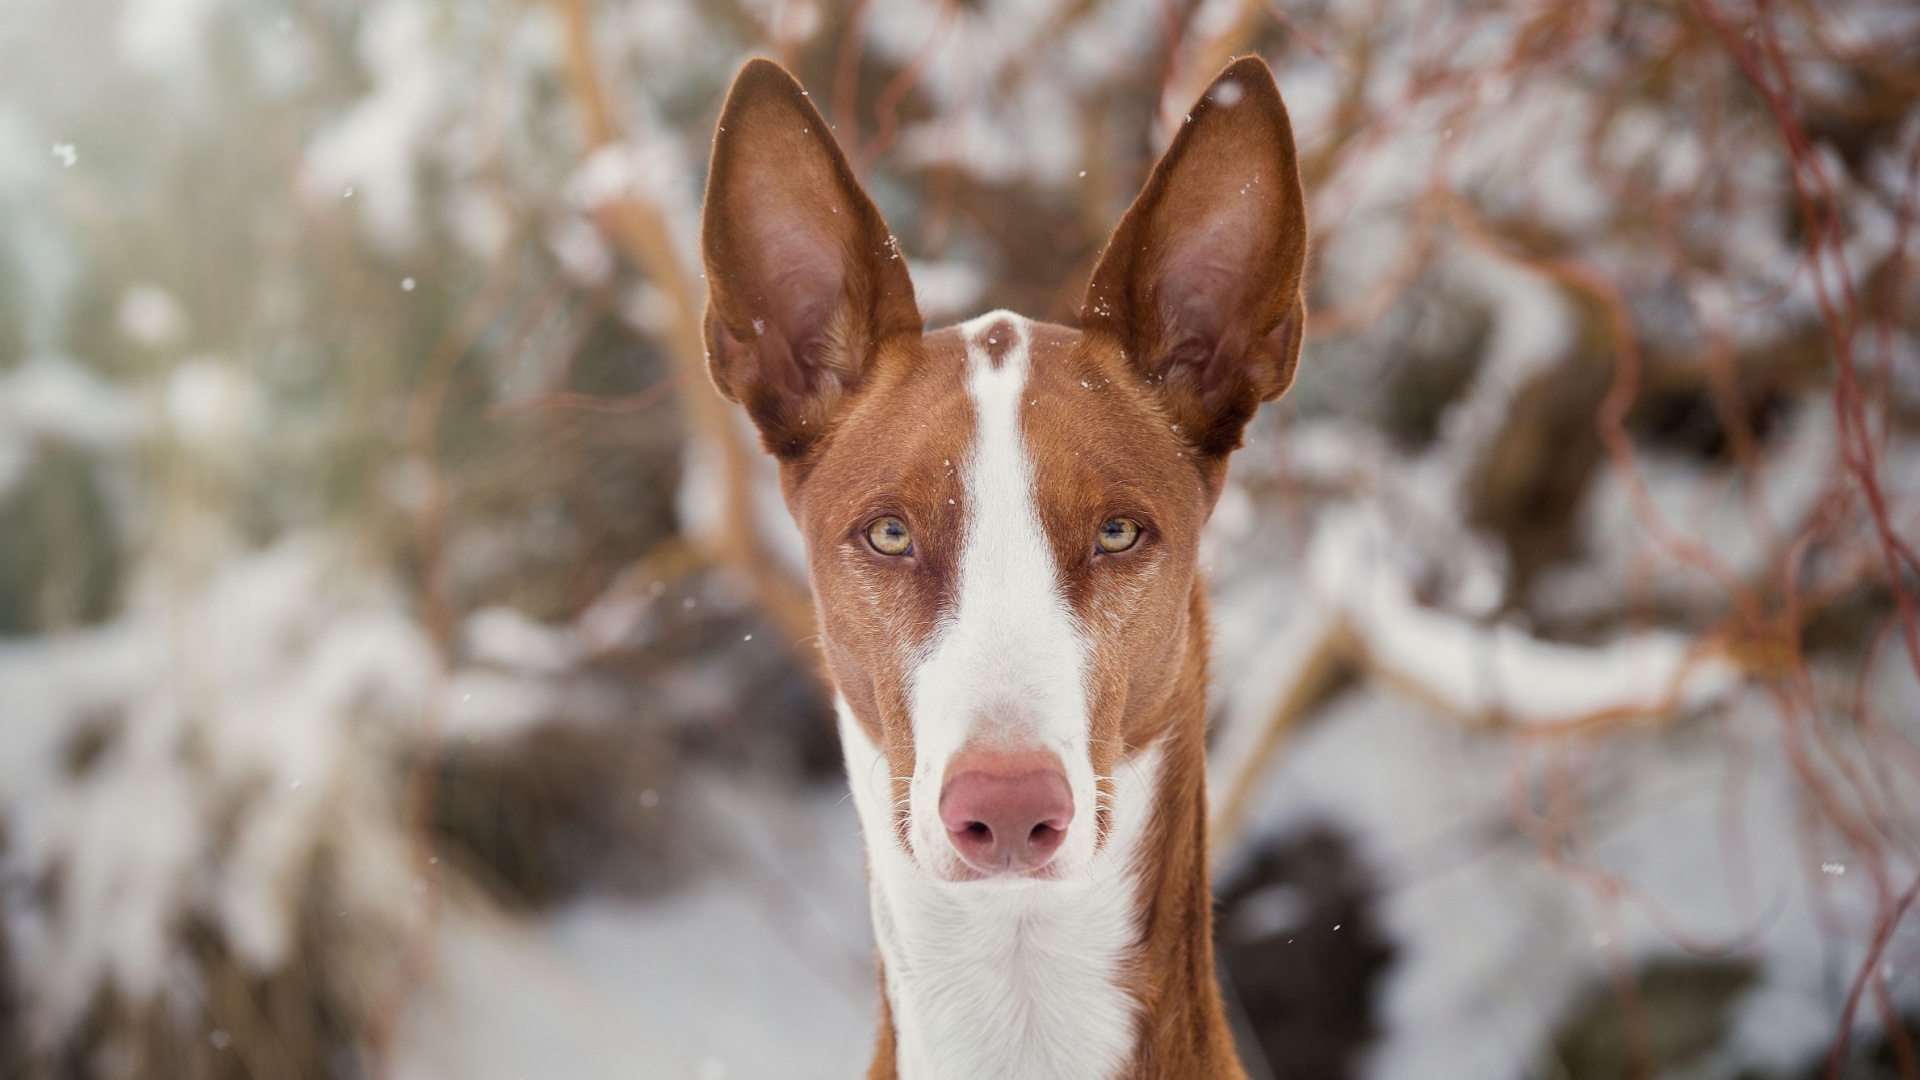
1001 521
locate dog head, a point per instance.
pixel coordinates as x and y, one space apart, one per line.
1002 517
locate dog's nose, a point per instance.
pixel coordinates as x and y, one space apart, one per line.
1006 815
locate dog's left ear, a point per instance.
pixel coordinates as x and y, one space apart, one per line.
1201 282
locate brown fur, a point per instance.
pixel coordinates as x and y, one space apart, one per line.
1193 317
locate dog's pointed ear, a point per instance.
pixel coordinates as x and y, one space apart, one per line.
804 281
1201 283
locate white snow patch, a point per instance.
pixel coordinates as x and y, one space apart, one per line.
231 728
150 315
1499 672
946 289
211 403
51 397
377 147
164 36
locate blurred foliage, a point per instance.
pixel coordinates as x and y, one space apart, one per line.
319 268
1687 1005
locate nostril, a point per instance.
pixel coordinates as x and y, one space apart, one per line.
979 830
1045 838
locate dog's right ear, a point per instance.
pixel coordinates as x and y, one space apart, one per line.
804 281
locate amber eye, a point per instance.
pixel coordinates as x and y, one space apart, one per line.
889 536
1119 534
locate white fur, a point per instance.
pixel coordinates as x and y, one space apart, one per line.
1005 977
1009 666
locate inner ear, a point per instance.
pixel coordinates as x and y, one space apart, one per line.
1201 282
804 278
780 267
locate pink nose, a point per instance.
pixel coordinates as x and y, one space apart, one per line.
1005 815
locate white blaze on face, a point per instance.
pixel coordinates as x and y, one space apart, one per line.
1008 667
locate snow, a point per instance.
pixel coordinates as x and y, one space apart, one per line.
210 403
1707 504
54 398
580 251
1001 115
377 147
1498 673
481 220
504 636
247 703
1027 134
150 315
652 168
491 704
700 502
1494 943
1533 327
21 149
946 289
691 986
263 690
621 171
728 977
164 36
669 30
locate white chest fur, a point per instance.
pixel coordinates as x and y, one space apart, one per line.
1005 979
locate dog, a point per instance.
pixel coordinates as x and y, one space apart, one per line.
1001 522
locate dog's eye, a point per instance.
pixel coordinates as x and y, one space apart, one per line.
889 536
1119 534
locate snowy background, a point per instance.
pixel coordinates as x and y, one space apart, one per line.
405 668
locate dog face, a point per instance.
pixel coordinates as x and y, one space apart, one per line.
1002 517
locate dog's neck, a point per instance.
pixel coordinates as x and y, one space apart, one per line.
1108 975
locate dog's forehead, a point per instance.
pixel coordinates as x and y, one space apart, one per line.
1053 360
1086 422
